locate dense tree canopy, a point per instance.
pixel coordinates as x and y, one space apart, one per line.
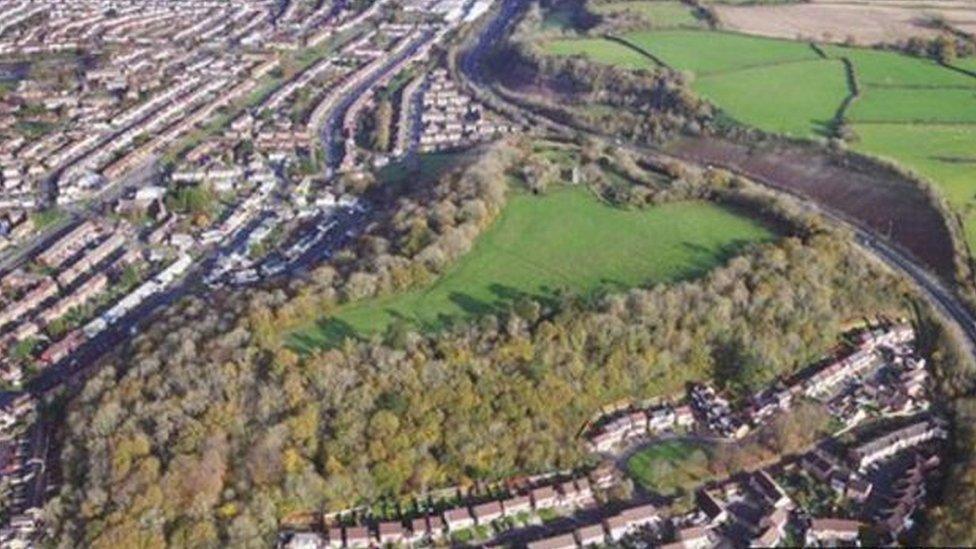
210 436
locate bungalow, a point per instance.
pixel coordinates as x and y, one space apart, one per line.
517 504
593 534
833 531
458 519
564 541
391 532
544 497
487 512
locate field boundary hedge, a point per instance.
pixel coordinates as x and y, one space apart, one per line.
634 47
854 93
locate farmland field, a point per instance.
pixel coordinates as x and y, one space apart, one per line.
798 99
912 111
948 105
707 52
660 13
566 239
877 68
600 50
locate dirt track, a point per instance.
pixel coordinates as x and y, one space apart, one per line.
878 198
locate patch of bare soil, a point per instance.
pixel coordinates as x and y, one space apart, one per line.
875 196
865 22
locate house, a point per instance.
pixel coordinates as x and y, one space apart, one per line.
630 520
694 537
391 532
858 489
684 417
419 530
485 513
564 541
357 536
544 497
334 534
775 529
593 534
711 506
770 490
604 476
833 531
458 519
436 526
867 454
305 540
517 504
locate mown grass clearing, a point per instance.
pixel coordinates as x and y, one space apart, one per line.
949 105
600 50
706 52
885 68
798 99
660 14
565 240
669 467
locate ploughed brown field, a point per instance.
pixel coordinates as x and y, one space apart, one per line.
878 21
877 197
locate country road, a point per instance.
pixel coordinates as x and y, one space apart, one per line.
944 299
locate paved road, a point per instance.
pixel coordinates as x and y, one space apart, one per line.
943 298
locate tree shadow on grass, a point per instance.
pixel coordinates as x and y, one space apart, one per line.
329 332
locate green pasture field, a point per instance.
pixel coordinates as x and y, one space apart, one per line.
966 64
661 14
564 240
600 50
797 99
948 105
877 68
706 52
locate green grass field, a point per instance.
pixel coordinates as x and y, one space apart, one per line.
565 240
948 105
706 52
798 99
800 92
600 50
876 68
659 13
966 64
928 111
669 467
